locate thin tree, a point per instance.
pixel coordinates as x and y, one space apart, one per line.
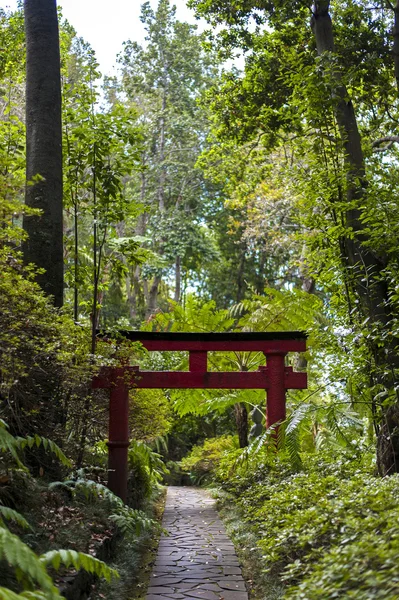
44 246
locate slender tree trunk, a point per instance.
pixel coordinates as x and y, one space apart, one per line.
240 276
241 417
396 42
76 262
161 151
365 269
177 278
44 246
152 297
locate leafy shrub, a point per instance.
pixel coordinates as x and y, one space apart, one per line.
124 516
146 469
203 461
30 568
331 530
150 414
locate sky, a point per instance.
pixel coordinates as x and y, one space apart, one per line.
105 24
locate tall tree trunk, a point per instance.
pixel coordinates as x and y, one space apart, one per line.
240 276
365 269
241 417
396 42
161 151
44 246
76 262
152 297
177 279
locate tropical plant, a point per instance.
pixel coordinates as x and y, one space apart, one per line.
31 569
127 519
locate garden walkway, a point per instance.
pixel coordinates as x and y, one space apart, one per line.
196 559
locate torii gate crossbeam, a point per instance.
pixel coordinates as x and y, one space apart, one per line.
275 378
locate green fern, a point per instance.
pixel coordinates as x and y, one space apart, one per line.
132 521
12 515
124 517
13 444
151 460
278 310
47 444
26 563
193 316
78 560
89 488
6 594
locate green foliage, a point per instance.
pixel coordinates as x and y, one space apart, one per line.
196 315
6 594
146 468
14 445
26 563
77 560
30 569
10 514
203 461
163 80
328 531
128 519
150 414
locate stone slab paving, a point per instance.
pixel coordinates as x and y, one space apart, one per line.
196 559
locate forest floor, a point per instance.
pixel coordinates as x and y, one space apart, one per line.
134 560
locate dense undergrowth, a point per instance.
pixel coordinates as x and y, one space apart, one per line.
329 530
134 557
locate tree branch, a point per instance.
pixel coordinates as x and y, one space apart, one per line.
388 140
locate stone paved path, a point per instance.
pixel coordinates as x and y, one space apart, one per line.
196 559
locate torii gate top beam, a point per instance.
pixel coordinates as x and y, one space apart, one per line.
266 342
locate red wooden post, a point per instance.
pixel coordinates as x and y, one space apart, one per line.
198 361
118 438
275 407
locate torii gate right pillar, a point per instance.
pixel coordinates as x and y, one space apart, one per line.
275 405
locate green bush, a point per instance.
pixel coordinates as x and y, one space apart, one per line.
329 531
202 461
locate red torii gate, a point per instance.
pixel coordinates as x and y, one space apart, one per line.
275 378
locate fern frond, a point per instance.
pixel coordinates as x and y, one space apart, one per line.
11 444
37 440
25 562
265 441
132 521
6 594
128 519
78 560
12 515
290 432
89 488
292 444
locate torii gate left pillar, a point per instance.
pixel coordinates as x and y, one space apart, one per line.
275 378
